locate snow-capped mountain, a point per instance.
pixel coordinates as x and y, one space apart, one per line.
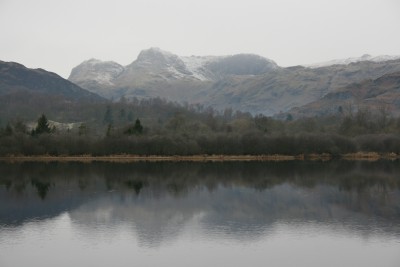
347 61
244 82
101 72
156 68
157 61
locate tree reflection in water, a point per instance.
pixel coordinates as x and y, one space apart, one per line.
231 196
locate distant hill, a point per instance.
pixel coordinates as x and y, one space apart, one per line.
242 82
347 61
382 93
283 89
26 93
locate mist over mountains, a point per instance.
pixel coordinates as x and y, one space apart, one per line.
243 82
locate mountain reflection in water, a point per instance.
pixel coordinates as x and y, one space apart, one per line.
157 204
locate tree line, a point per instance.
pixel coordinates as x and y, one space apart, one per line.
158 127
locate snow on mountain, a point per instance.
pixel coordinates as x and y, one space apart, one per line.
161 63
347 61
384 58
154 62
245 82
201 68
102 72
156 55
197 66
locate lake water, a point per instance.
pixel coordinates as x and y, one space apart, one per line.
200 214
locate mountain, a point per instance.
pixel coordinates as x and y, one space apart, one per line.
158 73
285 88
28 92
242 82
381 94
96 74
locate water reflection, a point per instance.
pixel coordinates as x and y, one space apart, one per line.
158 204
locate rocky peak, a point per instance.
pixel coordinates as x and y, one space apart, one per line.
103 72
157 56
155 53
159 60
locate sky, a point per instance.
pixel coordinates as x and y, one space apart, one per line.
57 35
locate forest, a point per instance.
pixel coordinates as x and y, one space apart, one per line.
158 127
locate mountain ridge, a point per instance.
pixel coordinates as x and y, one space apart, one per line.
244 82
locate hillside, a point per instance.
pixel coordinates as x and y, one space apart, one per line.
26 93
282 89
379 94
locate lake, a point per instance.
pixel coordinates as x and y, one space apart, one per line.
337 213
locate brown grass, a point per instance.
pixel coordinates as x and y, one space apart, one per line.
370 156
135 158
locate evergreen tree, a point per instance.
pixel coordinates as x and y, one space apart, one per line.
137 128
42 125
109 130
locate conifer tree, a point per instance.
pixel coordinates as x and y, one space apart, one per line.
138 127
42 125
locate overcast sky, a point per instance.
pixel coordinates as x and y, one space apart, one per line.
58 35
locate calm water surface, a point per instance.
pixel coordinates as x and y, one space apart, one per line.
200 214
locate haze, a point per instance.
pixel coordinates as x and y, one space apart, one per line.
58 35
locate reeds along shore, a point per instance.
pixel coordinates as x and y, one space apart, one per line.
368 156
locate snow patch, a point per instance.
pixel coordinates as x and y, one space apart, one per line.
59 125
177 74
197 65
102 72
347 61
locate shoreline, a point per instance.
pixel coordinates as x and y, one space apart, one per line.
359 156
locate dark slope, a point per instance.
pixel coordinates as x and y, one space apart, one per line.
26 93
16 77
